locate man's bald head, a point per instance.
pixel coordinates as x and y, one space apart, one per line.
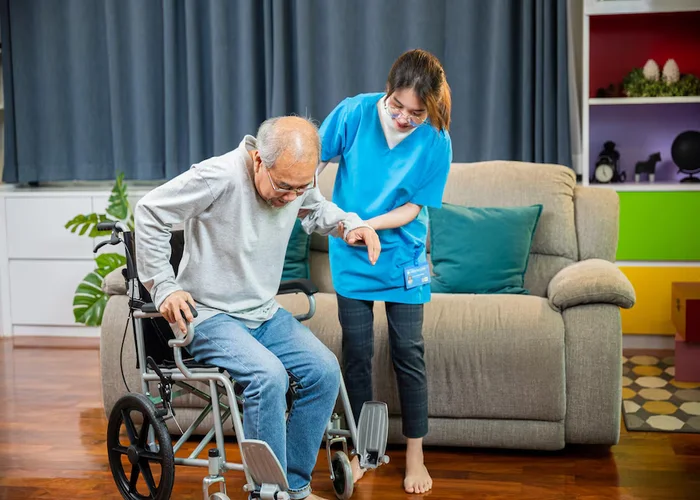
288 142
287 156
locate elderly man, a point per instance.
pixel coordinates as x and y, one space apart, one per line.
238 211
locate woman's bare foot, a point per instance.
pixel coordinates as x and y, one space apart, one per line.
417 478
357 471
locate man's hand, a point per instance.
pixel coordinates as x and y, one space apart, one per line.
173 307
366 236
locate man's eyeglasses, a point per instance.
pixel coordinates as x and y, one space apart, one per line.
394 113
297 191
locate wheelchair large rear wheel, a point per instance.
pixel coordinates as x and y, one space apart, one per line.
141 470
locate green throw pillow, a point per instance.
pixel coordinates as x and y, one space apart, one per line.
481 250
296 260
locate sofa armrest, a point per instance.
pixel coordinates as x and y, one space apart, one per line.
591 281
114 283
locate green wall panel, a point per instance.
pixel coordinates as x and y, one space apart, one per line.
659 225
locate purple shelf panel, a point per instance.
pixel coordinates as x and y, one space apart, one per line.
638 130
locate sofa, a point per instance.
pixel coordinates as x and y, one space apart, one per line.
534 371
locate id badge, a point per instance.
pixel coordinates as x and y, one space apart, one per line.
416 276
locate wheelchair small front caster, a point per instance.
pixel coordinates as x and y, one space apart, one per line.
343 483
219 496
139 449
214 477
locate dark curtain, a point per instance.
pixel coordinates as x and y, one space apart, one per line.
95 87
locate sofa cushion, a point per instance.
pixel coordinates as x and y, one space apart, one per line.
494 356
321 271
487 356
114 283
510 183
296 259
481 249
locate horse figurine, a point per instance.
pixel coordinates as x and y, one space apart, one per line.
647 167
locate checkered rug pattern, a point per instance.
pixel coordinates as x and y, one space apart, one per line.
652 400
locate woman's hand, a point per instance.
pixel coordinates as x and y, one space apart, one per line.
369 237
363 235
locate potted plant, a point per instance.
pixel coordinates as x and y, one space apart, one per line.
649 81
89 300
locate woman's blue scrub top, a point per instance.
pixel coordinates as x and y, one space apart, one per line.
372 180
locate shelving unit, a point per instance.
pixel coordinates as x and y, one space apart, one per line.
629 101
659 222
651 186
618 36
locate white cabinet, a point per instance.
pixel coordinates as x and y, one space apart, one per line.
35 228
41 291
42 262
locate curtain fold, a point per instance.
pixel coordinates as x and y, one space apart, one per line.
97 87
574 56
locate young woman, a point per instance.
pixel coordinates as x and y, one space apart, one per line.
395 153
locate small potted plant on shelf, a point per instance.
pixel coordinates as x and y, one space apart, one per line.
650 81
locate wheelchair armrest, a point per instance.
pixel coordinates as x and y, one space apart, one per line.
294 286
149 311
307 287
149 308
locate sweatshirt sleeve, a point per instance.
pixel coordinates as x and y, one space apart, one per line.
179 199
324 215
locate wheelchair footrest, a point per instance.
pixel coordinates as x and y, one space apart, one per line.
372 434
265 470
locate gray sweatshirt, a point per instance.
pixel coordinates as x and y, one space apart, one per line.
235 243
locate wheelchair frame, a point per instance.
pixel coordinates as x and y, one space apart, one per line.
219 384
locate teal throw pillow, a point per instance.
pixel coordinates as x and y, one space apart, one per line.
296 260
481 250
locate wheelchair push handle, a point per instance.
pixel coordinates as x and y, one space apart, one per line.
116 228
110 225
119 227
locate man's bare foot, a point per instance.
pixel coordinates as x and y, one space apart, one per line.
314 497
357 471
417 478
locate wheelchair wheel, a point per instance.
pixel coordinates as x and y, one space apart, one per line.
132 459
218 496
343 483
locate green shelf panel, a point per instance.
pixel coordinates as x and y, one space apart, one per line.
659 225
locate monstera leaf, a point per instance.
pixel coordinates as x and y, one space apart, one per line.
89 300
87 224
119 207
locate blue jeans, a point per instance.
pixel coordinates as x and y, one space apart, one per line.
259 360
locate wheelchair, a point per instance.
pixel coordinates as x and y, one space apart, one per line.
163 360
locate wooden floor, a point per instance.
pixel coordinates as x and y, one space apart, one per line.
52 445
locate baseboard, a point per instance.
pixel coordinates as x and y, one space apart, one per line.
56 342
55 331
630 341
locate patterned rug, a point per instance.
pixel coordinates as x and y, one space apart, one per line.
652 400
